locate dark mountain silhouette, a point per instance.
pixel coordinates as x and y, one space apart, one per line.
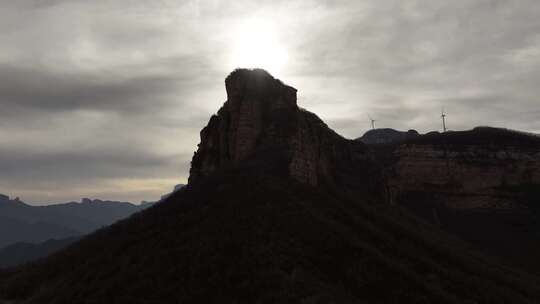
262 120
387 136
499 137
20 253
278 209
20 222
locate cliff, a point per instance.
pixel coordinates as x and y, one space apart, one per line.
261 119
484 162
482 185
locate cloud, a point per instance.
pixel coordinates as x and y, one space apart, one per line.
45 91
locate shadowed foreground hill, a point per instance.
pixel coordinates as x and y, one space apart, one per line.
257 237
261 222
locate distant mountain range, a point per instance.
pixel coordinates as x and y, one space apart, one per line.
20 222
31 232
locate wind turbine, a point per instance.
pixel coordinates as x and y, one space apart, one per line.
443 116
372 122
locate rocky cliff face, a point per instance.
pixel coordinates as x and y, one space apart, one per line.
484 172
261 118
482 185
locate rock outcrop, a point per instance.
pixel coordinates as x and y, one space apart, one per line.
482 185
462 181
466 169
482 163
261 118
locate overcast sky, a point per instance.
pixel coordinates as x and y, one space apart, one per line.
105 99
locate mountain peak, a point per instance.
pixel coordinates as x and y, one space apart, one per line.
260 114
258 84
261 120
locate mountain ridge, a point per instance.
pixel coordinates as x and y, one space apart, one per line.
386 136
22 222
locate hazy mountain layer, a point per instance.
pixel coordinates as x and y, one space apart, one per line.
20 222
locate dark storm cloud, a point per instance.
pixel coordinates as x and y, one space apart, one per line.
87 163
105 97
45 91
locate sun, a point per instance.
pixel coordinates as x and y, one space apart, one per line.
257 45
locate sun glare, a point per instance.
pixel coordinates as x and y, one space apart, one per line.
257 45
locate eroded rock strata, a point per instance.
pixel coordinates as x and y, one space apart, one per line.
482 185
483 175
261 117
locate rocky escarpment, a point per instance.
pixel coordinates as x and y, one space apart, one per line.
469 163
483 185
465 169
261 118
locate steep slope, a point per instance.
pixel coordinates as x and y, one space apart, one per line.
249 229
244 236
